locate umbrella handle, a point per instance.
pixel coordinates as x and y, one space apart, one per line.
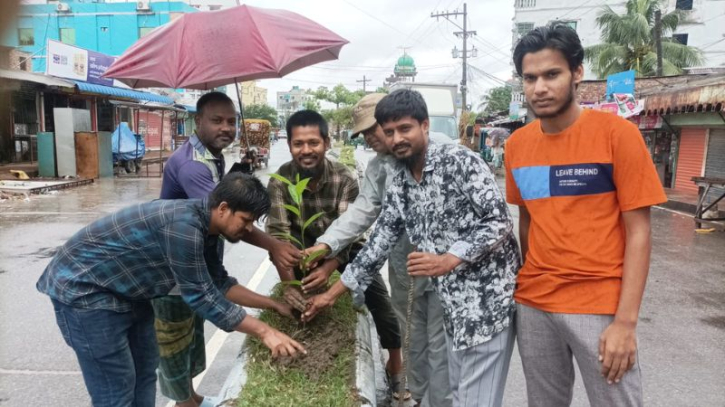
241 111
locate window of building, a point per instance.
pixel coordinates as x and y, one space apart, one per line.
143 31
525 3
683 5
26 36
571 24
681 38
523 28
68 36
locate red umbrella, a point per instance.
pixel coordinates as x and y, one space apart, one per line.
206 50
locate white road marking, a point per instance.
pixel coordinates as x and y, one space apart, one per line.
42 372
217 340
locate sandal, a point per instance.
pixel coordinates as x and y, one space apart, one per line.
395 381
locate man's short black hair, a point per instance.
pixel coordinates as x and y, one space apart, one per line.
401 103
242 192
211 97
555 36
307 118
479 120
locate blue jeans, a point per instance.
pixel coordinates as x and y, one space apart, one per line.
117 352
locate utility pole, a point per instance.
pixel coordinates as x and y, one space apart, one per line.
364 82
464 33
658 40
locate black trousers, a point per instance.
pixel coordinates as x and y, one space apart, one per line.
377 300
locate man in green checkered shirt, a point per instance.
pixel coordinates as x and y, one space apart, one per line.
331 189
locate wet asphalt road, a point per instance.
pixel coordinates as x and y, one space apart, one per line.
681 332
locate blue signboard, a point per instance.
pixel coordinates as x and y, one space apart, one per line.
622 82
97 65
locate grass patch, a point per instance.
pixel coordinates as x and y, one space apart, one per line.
325 377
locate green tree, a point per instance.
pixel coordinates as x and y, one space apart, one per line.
382 89
265 112
496 100
311 104
628 41
343 99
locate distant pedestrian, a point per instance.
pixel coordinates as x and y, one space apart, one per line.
584 183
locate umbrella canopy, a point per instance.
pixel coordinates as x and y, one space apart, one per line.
206 50
498 134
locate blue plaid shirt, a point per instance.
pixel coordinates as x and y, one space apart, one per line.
140 253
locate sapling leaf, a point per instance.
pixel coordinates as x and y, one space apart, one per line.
293 193
293 209
301 186
293 282
289 237
281 179
314 256
312 219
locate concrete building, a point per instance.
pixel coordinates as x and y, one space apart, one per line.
108 28
252 94
291 101
707 33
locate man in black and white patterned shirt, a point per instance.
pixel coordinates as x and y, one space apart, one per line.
447 201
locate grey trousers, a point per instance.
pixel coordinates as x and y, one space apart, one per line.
428 378
547 342
478 374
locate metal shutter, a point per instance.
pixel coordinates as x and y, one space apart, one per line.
715 162
690 157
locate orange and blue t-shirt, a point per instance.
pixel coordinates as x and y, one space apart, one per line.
575 185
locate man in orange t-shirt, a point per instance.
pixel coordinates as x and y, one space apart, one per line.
584 183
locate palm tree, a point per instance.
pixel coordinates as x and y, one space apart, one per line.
628 41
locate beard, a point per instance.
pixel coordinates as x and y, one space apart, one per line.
410 161
413 158
563 108
310 172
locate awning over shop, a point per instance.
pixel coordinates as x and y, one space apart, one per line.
192 109
698 94
152 106
35 78
123 93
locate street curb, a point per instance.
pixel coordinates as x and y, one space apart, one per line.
365 362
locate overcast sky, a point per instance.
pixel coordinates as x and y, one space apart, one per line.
377 28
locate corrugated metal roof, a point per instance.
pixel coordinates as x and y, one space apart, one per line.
35 78
701 94
123 93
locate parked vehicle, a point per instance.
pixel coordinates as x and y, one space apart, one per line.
441 102
258 133
128 148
